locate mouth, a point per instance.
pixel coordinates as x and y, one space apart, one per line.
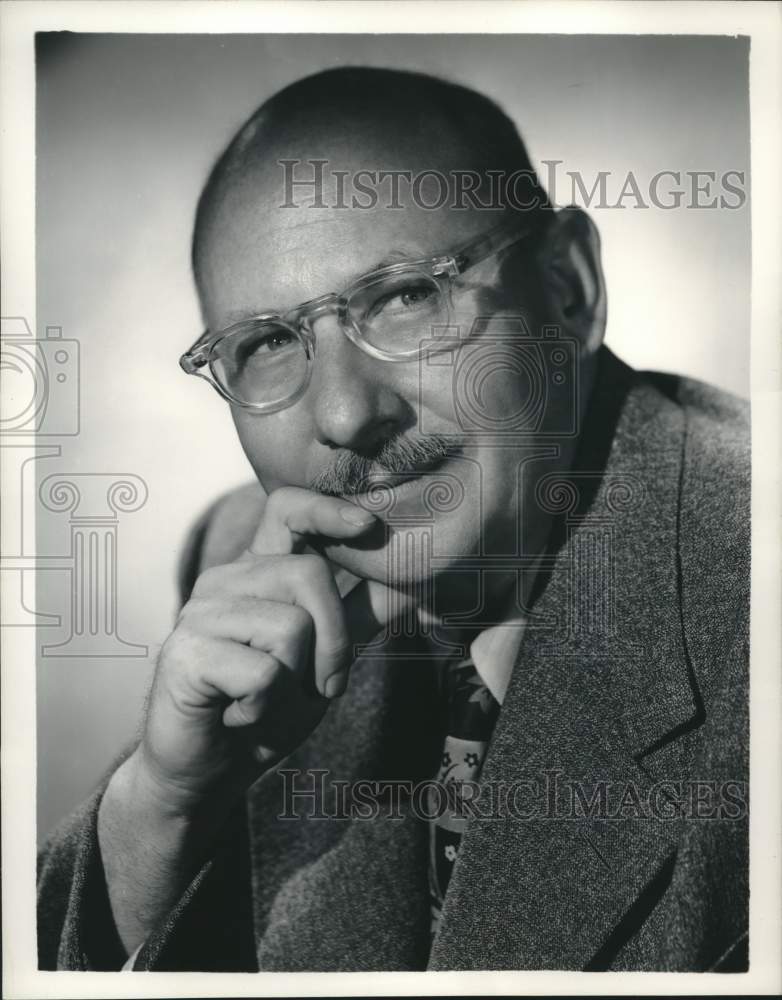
386 489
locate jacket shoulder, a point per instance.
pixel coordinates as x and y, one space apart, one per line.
714 528
721 414
716 474
716 457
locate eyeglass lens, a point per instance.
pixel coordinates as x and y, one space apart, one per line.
266 363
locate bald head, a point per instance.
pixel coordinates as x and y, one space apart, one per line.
357 118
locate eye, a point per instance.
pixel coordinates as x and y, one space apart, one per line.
408 299
415 296
260 347
274 341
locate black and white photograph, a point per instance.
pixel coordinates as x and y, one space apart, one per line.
387 528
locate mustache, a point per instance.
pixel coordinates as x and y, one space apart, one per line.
354 473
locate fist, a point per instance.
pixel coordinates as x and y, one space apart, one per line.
258 652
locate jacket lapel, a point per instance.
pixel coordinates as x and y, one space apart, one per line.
602 681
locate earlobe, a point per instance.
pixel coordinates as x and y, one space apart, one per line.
574 276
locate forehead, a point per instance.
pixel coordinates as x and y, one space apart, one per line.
270 246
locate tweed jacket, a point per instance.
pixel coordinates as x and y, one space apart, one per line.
627 704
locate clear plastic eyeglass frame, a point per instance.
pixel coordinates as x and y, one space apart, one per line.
444 268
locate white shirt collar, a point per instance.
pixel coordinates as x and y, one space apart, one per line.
494 652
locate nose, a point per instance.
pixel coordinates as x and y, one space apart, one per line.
355 400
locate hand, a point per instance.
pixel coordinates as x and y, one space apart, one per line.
258 653
262 647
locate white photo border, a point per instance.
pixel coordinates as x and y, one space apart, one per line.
760 22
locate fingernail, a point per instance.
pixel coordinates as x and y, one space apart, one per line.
335 685
355 515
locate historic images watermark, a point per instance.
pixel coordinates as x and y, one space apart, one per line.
548 795
312 183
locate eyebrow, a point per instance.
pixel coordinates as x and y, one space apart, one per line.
397 255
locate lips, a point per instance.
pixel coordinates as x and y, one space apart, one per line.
400 492
393 480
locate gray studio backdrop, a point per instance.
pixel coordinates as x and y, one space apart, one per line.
127 128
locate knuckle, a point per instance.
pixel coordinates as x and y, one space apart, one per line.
191 612
180 651
267 669
220 611
186 641
257 576
209 581
263 566
259 682
299 620
308 568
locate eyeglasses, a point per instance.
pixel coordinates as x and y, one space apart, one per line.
264 363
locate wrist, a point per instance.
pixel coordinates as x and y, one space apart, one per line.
135 811
159 800
154 793
149 852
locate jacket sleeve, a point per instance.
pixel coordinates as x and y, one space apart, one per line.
211 926
210 929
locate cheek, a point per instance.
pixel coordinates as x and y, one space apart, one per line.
270 444
480 389
487 383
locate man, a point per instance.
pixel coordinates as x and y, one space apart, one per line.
479 549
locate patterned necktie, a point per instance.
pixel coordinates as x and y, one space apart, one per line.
472 712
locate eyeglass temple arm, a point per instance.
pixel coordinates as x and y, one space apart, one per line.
191 361
495 241
197 356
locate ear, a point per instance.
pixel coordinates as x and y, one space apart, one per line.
573 274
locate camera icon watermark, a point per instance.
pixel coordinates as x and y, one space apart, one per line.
39 404
544 370
40 381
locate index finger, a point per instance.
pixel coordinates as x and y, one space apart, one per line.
292 513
